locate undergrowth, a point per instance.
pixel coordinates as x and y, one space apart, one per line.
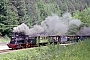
78 51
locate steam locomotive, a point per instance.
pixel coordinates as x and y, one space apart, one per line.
20 40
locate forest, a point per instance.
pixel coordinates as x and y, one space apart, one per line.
32 12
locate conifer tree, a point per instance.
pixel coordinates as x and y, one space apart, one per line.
8 18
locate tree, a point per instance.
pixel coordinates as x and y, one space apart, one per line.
74 30
84 16
20 6
8 18
43 10
3 13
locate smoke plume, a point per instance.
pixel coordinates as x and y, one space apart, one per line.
52 25
55 25
22 28
36 30
84 31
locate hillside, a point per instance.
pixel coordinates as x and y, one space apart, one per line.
32 12
37 9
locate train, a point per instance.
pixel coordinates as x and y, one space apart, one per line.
20 40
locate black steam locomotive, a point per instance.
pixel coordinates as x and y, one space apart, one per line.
20 40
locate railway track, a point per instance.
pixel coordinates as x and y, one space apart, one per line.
10 50
5 51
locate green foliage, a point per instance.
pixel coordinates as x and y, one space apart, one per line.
7 18
43 10
38 10
20 7
78 51
4 39
74 30
84 16
31 12
3 7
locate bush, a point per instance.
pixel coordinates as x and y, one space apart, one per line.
79 51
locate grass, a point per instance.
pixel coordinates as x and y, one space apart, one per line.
4 39
79 51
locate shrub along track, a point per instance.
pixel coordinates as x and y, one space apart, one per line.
11 50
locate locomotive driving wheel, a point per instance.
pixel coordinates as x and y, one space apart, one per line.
27 45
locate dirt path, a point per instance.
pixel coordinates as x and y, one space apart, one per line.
3 46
